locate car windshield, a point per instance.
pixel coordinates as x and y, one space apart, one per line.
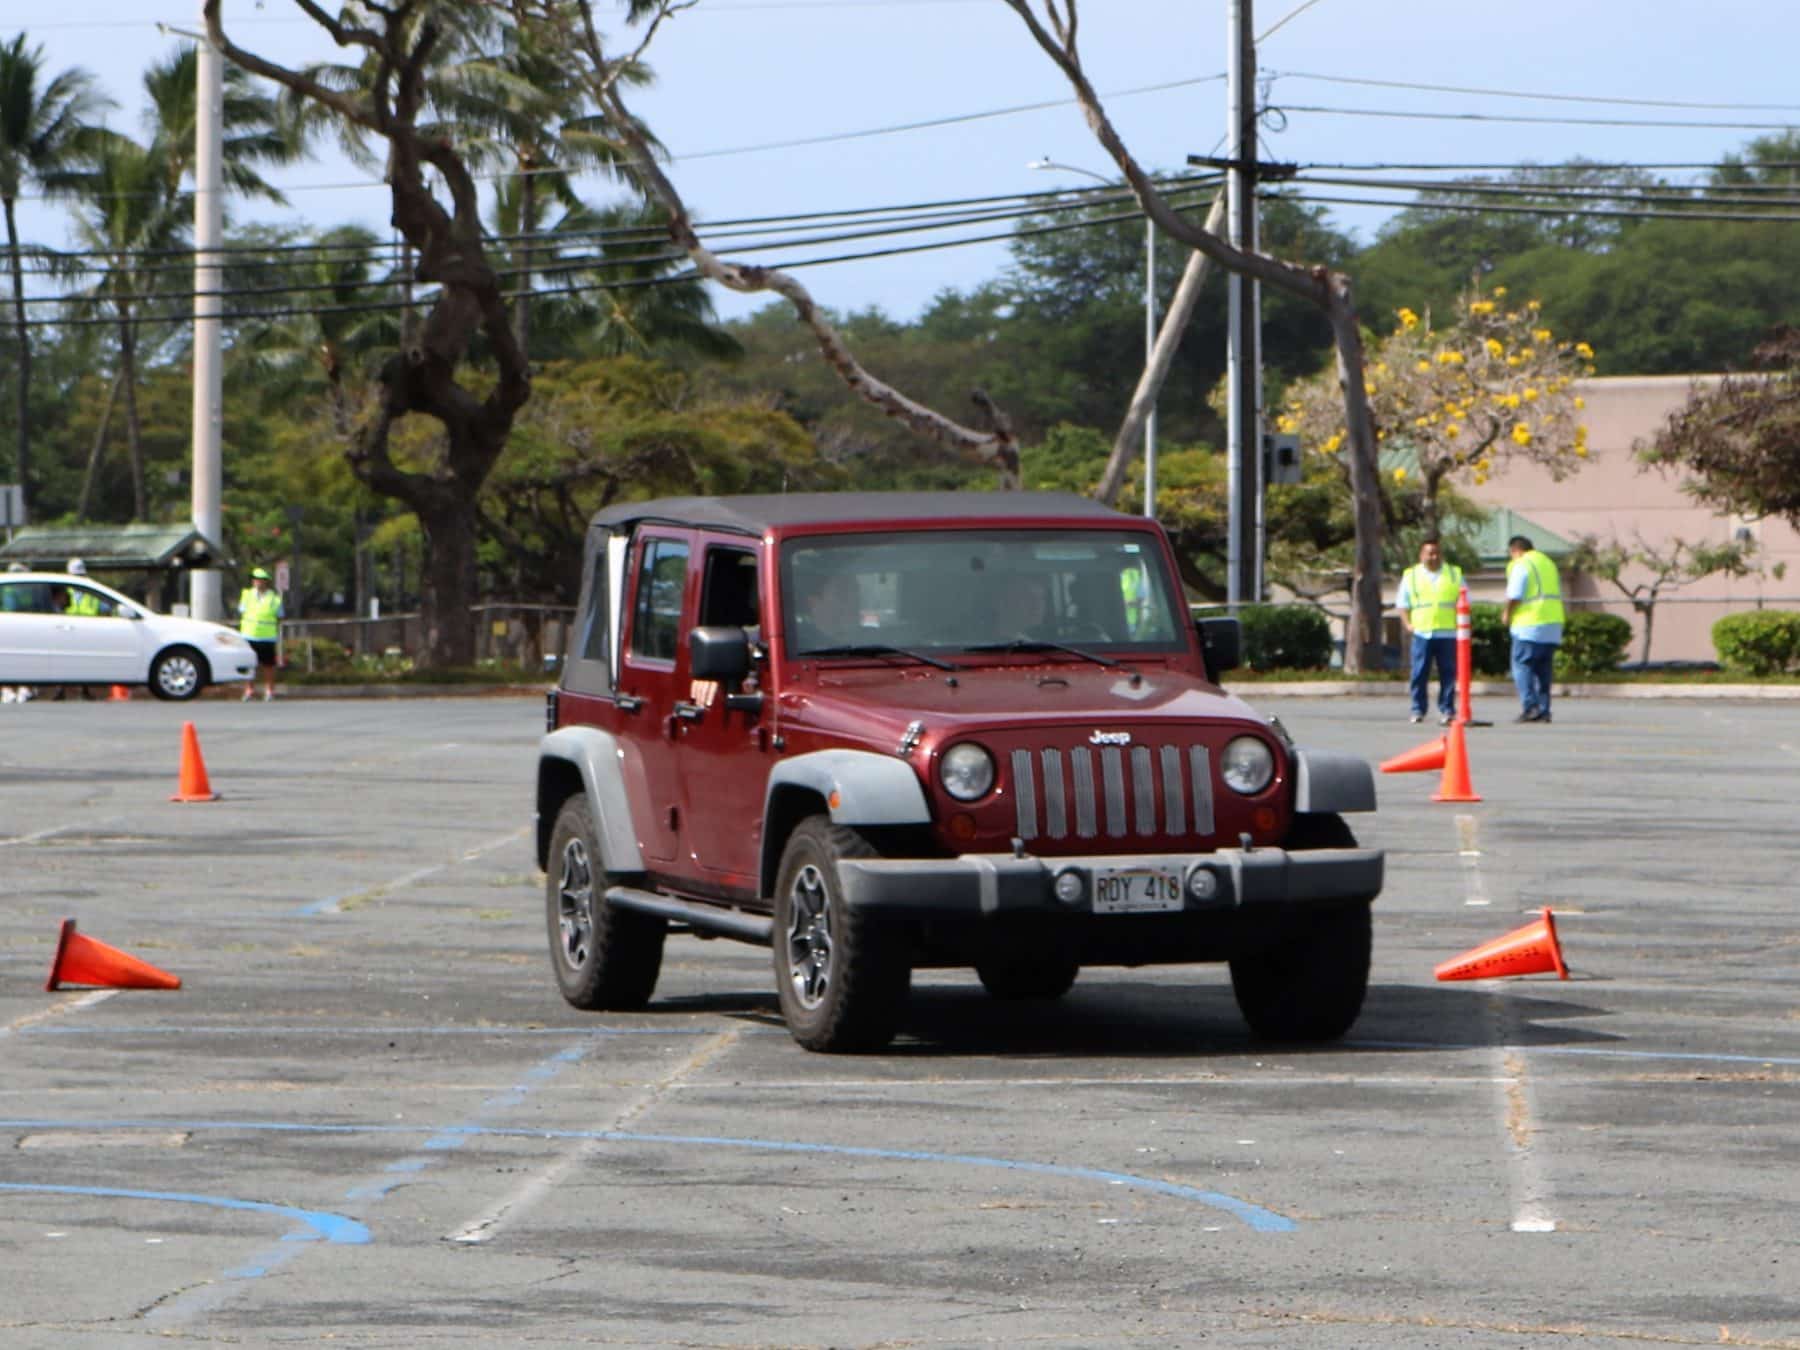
1049 594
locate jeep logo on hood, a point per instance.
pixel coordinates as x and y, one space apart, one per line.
1110 738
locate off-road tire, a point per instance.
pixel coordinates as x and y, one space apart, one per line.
1309 986
1024 976
841 978
178 674
604 957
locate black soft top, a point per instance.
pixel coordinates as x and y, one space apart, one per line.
753 514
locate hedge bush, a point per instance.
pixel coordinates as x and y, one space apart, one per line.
1593 643
1758 642
1285 637
1491 645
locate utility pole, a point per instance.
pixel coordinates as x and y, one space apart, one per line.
209 397
1244 355
1149 356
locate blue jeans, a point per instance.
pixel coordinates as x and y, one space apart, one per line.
1532 669
1439 649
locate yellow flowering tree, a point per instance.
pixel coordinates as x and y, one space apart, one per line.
1495 384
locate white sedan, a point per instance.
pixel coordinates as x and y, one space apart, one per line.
60 629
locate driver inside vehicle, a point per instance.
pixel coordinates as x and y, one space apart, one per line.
829 614
1024 607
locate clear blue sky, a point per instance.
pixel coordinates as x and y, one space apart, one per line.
737 74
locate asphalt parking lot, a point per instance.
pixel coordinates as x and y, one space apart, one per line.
368 1118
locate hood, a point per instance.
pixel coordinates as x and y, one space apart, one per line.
873 702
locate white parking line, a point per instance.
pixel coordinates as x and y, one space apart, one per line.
334 904
60 1009
1527 1182
54 830
1469 852
489 1223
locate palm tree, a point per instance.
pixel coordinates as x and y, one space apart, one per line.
330 337
257 128
128 217
44 135
609 290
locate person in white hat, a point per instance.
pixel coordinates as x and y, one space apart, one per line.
259 620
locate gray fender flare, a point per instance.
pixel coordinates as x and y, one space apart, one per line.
1326 781
596 755
868 788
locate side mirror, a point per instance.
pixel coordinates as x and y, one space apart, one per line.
719 652
1221 642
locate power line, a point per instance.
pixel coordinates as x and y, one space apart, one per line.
1527 118
1531 95
1494 208
182 317
251 255
556 266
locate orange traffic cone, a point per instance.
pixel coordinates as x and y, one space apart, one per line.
1419 759
1455 785
82 960
1530 950
120 694
193 786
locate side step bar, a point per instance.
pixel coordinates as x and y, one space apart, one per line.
731 923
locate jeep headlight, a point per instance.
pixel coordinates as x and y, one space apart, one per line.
1247 765
967 772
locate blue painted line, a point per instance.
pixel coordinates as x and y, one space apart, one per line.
331 1227
1262 1220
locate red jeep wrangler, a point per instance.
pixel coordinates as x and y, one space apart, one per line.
883 731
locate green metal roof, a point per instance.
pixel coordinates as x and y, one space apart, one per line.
1502 523
113 548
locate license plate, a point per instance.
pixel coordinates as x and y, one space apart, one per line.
1136 890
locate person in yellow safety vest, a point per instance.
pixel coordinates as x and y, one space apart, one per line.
1427 603
1135 592
1534 615
259 620
83 603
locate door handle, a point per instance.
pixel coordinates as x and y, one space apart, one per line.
626 703
689 712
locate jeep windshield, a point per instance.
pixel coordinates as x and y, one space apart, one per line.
1048 593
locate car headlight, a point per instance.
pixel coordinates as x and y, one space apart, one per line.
967 772
1247 765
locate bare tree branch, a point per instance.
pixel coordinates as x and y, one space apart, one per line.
997 446
1330 291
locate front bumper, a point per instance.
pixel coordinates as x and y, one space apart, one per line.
980 885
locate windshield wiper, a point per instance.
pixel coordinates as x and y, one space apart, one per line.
878 649
1039 645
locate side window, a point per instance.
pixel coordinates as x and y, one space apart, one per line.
656 609
24 597
596 637
729 594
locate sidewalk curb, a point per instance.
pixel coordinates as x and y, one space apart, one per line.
1504 688
287 692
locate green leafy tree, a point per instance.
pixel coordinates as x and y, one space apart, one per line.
1494 384
1660 567
1738 443
623 429
45 137
436 207
128 216
326 332
255 130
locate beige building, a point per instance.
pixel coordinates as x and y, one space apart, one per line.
1612 497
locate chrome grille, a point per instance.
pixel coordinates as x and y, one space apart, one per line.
1182 782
